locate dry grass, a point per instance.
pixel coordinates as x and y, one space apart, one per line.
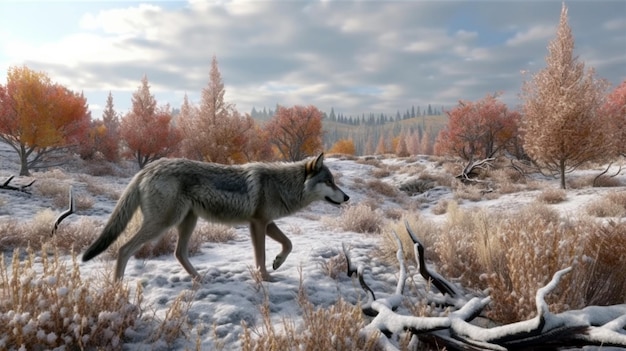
95 187
381 172
468 192
382 188
358 218
440 207
505 248
613 205
335 265
47 305
605 181
70 236
552 196
337 327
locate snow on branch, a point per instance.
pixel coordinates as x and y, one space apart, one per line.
593 325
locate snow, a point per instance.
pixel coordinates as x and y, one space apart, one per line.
230 295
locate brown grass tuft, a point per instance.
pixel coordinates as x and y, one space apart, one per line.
552 196
358 218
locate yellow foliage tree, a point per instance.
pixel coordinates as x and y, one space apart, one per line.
343 146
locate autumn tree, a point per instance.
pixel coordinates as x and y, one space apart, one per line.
109 143
477 129
381 146
147 129
215 131
614 110
40 119
343 146
562 125
296 131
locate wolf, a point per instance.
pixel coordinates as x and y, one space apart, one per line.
175 192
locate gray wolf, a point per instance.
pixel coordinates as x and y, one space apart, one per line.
175 192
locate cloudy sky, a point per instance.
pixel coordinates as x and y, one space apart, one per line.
355 56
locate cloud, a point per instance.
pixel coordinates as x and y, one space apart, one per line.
355 56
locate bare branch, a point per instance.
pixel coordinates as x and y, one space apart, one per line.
23 188
594 325
65 213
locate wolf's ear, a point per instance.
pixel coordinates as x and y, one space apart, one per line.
315 165
319 162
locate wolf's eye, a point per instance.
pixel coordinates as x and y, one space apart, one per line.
329 182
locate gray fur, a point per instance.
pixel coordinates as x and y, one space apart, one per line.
175 192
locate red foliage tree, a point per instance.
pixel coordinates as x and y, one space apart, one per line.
147 129
296 131
39 118
477 129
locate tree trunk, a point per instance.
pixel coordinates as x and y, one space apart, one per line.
24 163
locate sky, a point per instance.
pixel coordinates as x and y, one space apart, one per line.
354 56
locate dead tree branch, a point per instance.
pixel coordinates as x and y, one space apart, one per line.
594 325
595 180
468 175
23 188
65 213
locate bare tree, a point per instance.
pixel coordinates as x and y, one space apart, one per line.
562 125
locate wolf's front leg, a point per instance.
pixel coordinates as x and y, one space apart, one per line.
275 233
257 234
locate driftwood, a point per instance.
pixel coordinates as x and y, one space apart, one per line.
594 325
23 188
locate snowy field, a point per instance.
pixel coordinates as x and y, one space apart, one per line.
229 294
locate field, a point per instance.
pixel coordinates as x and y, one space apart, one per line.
504 237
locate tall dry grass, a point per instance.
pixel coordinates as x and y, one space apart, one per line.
337 327
46 304
512 255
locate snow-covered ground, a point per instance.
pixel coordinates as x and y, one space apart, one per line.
230 294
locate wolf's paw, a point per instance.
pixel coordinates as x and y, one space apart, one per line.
278 261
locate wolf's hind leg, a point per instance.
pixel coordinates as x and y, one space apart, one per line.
275 233
185 229
149 231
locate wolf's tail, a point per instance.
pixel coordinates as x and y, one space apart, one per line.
122 214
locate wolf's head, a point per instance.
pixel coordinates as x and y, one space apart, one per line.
320 183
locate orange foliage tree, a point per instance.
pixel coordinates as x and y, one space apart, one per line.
562 127
343 146
39 119
477 129
296 131
614 109
147 129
